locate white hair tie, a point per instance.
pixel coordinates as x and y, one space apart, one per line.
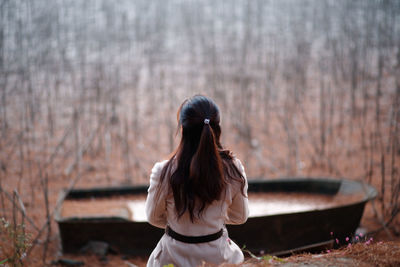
206 121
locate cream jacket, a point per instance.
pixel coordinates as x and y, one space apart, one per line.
233 209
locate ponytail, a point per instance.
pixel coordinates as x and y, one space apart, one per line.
206 170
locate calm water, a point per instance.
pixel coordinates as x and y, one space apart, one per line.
260 204
264 204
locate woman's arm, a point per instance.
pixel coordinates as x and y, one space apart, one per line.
238 211
156 205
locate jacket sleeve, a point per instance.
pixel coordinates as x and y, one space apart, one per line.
156 205
238 211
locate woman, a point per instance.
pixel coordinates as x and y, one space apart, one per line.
196 192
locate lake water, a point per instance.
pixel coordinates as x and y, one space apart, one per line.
260 204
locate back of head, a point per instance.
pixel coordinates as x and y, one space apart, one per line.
197 116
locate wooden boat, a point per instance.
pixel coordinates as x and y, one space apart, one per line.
277 234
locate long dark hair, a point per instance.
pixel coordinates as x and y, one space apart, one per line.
199 170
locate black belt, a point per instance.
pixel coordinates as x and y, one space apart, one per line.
193 239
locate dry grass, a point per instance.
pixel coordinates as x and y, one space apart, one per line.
360 254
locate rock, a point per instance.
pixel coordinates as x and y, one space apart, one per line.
99 248
130 264
69 262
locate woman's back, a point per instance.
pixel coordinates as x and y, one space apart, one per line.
231 209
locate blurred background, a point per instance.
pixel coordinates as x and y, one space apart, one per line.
89 91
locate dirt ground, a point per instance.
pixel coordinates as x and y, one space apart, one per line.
361 254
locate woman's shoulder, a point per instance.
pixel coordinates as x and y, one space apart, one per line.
241 181
238 163
239 166
230 158
158 166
